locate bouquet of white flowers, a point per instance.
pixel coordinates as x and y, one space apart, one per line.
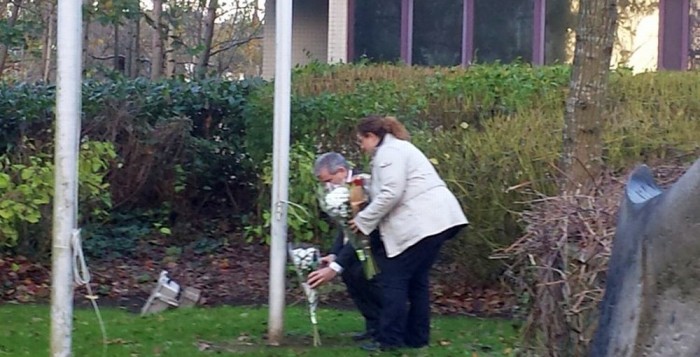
306 260
342 203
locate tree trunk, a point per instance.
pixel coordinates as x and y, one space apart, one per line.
170 51
135 63
10 23
157 43
3 8
129 50
48 44
207 37
87 16
585 104
116 61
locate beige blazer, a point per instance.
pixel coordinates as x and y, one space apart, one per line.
409 201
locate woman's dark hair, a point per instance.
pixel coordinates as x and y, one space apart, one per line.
380 126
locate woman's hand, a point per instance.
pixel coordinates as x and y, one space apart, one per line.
353 227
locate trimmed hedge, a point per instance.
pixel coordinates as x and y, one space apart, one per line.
178 141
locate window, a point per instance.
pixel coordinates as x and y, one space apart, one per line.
377 29
437 32
450 32
503 30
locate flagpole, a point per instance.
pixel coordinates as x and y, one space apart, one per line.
280 185
67 137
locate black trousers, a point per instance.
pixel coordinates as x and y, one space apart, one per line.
405 317
366 294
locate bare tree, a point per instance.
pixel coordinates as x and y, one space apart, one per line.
87 17
10 23
583 117
136 55
116 60
197 34
236 46
48 42
157 41
170 51
207 37
133 47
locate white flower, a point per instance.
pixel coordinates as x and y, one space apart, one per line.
305 258
337 202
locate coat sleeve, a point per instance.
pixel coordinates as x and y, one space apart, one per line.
344 252
390 171
346 256
338 242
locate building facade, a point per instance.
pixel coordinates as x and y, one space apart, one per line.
461 32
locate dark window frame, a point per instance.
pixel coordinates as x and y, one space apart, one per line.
669 56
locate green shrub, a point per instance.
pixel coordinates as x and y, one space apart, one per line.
122 234
486 169
327 100
27 111
652 116
179 142
304 220
26 192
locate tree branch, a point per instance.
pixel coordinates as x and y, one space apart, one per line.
107 58
103 58
233 44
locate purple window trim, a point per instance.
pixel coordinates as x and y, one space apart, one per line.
467 32
664 57
538 32
662 25
351 32
406 31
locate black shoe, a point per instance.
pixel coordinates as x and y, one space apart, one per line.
375 346
417 346
362 336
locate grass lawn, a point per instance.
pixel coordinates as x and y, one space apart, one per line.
234 331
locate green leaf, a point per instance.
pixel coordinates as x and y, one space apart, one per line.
4 181
6 213
26 173
32 217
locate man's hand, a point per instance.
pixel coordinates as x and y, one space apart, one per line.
321 276
327 260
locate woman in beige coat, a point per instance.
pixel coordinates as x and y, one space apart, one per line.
415 214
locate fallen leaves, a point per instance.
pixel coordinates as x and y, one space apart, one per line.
22 280
236 273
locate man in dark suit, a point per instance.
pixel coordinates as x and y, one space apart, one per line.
332 170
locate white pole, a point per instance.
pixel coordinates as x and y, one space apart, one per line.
68 109
280 184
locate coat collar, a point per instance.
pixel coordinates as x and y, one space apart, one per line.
387 139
